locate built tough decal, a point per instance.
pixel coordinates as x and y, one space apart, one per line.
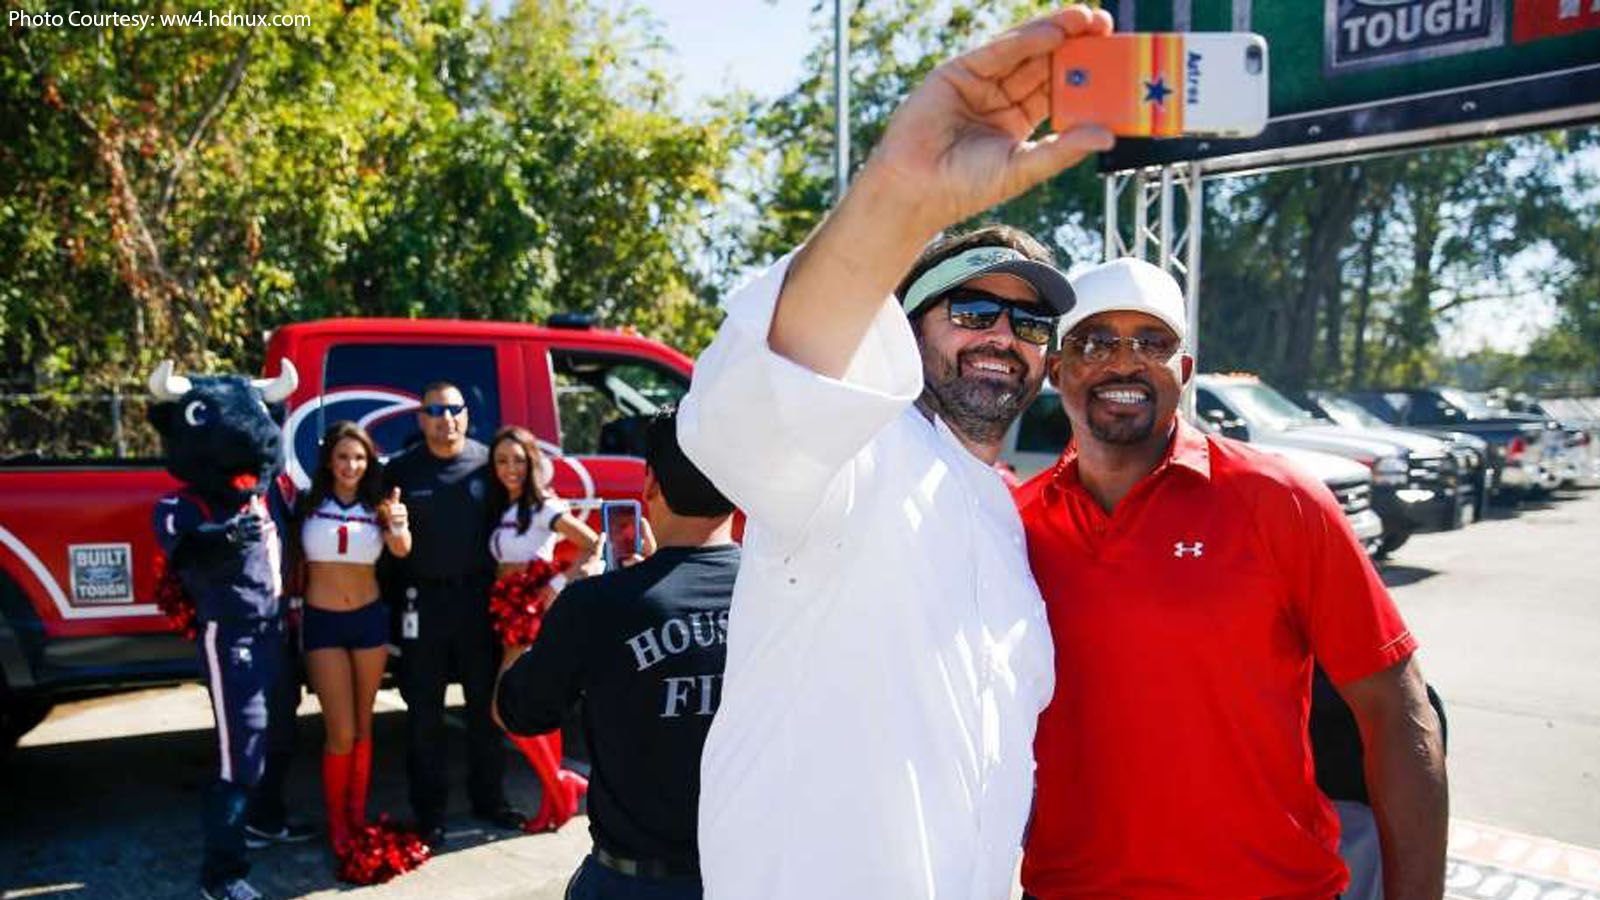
101 573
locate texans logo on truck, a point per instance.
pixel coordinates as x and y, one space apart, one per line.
388 415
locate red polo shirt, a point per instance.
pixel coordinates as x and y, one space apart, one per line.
1173 759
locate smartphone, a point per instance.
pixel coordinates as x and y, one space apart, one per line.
1162 84
619 519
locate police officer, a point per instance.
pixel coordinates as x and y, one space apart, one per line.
644 648
442 592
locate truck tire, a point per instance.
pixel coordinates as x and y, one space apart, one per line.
1392 542
18 716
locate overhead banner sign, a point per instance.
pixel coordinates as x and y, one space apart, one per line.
1371 33
1350 77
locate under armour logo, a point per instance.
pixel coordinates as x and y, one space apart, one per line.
1180 549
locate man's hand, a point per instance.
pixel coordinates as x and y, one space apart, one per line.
961 142
957 146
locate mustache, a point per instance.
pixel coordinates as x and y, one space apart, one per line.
1120 381
1009 357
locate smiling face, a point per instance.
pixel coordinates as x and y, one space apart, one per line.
446 433
1127 399
348 463
511 467
979 381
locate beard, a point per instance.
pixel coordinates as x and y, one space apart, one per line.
979 407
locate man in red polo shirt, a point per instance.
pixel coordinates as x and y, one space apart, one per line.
1190 582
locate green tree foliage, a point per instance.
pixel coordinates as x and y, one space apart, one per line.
180 191
1337 275
893 46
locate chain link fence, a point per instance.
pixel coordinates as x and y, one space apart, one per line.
45 427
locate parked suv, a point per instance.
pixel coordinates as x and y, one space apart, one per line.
1516 441
1415 481
1470 451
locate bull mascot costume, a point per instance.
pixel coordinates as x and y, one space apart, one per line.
222 536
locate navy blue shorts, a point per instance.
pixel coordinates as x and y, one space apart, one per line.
357 629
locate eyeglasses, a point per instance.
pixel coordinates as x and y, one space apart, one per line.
435 410
1099 347
979 312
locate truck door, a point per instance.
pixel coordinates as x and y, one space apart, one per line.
602 400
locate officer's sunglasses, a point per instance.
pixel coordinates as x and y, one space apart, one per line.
435 410
979 312
1097 347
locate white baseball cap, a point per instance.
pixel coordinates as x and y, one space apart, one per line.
1127 285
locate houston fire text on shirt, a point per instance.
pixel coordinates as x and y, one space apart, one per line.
692 695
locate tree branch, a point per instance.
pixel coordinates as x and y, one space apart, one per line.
230 85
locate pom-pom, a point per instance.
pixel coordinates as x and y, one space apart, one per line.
514 603
378 851
173 599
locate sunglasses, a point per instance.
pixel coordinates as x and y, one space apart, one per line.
435 410
979 312
1099 347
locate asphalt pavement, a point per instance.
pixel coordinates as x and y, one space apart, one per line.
102 800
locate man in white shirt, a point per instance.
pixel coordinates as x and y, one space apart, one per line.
887 648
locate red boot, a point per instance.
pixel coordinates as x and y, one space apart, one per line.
546 763
360 780
336 770
576 786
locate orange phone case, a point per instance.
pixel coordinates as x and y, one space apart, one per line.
1131 84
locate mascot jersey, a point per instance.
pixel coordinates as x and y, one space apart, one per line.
237 588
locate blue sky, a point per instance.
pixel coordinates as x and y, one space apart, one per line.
755 45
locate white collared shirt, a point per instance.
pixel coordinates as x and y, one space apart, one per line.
888 653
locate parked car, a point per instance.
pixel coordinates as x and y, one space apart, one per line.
1516 441
1470 451
1036 439
1577 459
1415 482
77 579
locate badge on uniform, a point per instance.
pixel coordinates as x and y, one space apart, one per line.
410 624
241 656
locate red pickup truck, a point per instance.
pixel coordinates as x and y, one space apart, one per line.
76 551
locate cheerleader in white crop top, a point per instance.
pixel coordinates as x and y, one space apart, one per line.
532 521
342 533
343 524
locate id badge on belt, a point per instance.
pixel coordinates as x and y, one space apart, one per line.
410 620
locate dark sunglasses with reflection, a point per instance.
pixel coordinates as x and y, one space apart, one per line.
435 410
1097 346
978 311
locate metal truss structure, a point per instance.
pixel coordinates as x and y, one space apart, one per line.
1162 225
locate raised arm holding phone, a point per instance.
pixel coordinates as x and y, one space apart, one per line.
887 649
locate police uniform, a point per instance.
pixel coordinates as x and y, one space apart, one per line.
441 590
242 655
644 647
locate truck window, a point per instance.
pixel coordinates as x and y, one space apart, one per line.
379 386
1427 409
603 400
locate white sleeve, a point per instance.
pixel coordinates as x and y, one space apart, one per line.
552 509
773 435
